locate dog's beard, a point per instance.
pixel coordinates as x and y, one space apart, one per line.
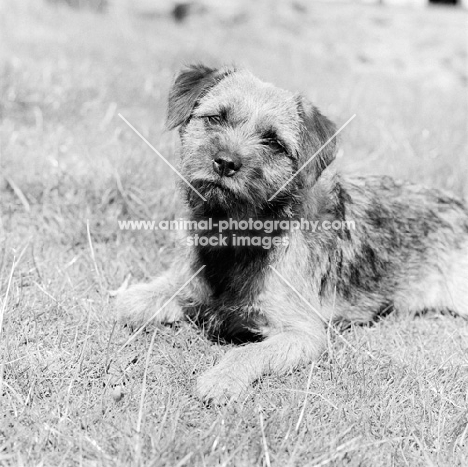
221 200
236 200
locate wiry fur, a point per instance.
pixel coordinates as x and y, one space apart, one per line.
408 251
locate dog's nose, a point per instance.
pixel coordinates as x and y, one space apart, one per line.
226 164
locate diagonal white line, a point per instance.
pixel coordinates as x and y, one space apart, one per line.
313 156
317 312
132 337
162 157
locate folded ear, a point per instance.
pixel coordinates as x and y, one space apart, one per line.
315 131
190 85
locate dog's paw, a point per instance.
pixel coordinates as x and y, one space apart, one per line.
144 303
220 385
140 304
132 306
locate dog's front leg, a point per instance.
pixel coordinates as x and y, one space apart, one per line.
241 366
155 301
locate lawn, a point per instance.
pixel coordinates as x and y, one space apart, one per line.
71 168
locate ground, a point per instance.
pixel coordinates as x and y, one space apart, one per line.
71 168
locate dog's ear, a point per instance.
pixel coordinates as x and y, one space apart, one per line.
315 131
189 86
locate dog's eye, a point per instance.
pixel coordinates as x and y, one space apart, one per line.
274 144
213 119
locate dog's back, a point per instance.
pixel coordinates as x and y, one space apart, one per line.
408 249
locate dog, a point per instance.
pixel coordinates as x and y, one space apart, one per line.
250 150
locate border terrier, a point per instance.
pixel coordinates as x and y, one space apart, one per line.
246 148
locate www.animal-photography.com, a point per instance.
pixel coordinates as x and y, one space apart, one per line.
233 233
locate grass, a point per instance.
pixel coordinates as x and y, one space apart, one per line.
70 168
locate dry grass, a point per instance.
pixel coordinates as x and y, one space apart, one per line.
69 164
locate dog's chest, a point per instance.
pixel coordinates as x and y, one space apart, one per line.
235 279
234 274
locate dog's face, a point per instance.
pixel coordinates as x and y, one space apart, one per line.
243 139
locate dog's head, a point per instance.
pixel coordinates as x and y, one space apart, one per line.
243 141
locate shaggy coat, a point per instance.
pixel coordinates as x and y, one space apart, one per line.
242 140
